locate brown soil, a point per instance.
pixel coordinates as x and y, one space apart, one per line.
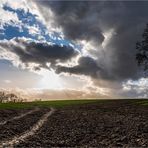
118 123
16 127
6 114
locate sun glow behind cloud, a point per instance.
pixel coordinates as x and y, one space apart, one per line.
49 80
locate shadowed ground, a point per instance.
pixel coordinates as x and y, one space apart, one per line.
114 123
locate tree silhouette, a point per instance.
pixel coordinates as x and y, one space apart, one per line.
142 50
9 97
2 96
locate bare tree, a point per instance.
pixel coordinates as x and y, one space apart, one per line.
9 97
2 96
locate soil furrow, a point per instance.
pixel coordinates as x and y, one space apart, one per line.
6 114
18 126
18 117
28 133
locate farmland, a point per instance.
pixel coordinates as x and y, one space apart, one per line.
81 123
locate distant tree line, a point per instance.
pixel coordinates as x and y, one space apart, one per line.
9 97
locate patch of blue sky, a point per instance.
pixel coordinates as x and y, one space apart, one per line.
29 20
10 32
25 17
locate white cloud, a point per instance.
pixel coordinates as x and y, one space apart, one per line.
47 17
107 37
11 18
8 17
34 30
138 88
21 4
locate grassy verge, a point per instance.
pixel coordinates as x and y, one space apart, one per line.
14 105
56 104
142 102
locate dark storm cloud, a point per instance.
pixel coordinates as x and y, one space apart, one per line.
83 67
39 53
86 20
75 19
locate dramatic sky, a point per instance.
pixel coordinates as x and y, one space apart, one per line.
72 49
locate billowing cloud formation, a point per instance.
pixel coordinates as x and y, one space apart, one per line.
39 53
89 21
76 19
106 33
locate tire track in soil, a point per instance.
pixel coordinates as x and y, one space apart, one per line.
6 114
19 117
17 127
19 138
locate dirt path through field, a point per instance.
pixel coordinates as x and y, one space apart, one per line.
28 133
18 117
